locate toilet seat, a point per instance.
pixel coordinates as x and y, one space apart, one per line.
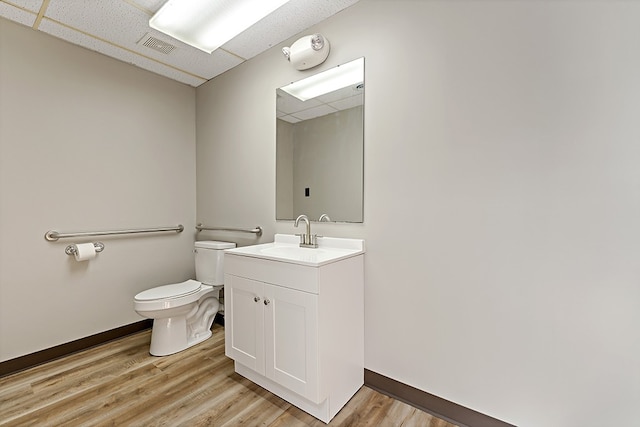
176 290
171 296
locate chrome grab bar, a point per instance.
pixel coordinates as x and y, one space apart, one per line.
257 230
53 235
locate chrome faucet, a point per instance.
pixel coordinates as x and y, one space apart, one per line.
306 240
324 217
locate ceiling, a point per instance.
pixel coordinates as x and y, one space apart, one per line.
120 29
292 110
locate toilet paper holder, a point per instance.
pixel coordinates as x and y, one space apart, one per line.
72 249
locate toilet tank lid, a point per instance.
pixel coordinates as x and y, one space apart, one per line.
212 244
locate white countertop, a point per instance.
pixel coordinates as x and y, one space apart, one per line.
286 248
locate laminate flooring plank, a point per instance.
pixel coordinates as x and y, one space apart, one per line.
401 414
168 404
119 396
197 375
81 406
178 392
352 413
295 417
41 378
260 412
86 374
369 411
243 394
201 411
20 392
64 386
66 363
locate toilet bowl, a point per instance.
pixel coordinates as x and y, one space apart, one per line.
183 313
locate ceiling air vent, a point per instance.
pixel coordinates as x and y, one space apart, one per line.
156 44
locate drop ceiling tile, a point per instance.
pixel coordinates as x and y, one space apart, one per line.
311 113
336 95
150 6
289 104
290 119
16 14
30 5
123 25
108 49
112 20
347 103
290 19
207 65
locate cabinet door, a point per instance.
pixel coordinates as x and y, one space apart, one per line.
244 326
291 340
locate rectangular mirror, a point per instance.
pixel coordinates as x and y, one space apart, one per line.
320 145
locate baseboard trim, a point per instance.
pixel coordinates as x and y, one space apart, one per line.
441 408
30 360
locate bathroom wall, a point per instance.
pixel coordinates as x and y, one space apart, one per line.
86 143
502 196
326 158
284 169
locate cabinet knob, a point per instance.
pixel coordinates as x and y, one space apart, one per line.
256 299
266 301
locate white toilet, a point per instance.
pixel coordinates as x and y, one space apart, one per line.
183 313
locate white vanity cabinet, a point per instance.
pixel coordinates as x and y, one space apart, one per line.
273 331
297 329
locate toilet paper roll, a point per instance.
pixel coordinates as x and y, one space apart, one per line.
85 251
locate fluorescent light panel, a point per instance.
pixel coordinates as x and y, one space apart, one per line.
328 81
208 24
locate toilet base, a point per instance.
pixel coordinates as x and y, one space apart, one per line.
173 334
168 336
165 341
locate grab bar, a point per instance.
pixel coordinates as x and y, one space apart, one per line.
257 230
53 235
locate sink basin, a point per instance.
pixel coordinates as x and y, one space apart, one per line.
285 248
283 251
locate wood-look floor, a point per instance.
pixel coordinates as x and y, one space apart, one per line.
120 384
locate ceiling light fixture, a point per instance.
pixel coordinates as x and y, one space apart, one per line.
351 73
207 24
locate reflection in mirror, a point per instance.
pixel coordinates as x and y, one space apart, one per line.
319 145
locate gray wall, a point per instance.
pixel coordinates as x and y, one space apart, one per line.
284 170
501 196
325 155
86 143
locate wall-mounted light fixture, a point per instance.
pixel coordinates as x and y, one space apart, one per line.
207 24
307 51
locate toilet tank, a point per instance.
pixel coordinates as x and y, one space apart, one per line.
209 256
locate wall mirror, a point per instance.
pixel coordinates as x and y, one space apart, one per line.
320 145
